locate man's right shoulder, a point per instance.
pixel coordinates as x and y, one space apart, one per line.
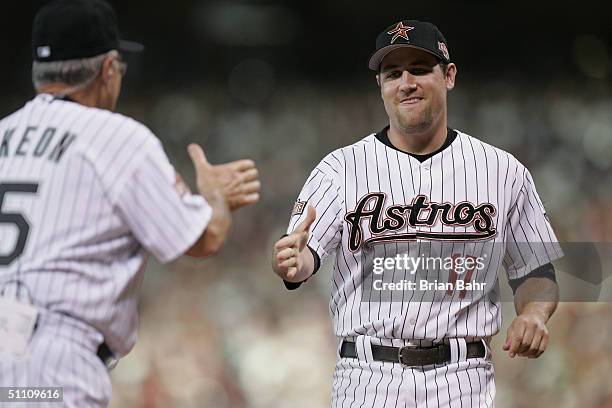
342 153
109 123
87 122
109 133
334 164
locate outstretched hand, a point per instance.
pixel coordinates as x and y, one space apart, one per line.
208 183
239 182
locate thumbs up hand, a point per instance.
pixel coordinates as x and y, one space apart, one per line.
291 260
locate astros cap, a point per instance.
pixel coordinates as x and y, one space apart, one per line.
409 33
71 29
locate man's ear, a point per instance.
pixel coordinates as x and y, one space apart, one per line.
451 73
108 69
378 79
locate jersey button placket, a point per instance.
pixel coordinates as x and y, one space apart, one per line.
425 169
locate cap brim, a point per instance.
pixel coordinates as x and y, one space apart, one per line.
378 56
130 46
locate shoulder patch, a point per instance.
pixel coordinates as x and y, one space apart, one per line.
298 208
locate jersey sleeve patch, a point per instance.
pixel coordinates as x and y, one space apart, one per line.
298 208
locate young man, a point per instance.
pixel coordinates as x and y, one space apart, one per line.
416 191
85 193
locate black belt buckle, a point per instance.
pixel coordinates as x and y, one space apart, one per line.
400 355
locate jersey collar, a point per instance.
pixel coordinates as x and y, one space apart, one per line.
383 137
54 97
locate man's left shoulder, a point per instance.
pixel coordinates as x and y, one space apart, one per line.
489 150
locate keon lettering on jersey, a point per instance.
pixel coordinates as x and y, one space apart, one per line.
37 143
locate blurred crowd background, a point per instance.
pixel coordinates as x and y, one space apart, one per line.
284 83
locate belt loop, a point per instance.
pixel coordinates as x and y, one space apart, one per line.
363 346
458 349
487 350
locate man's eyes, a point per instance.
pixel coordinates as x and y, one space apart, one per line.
394 74
413 71
420 71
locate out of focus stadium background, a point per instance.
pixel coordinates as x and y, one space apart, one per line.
284 83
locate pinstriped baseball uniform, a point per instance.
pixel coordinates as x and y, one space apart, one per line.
468 197
92 192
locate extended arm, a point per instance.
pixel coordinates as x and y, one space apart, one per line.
213 238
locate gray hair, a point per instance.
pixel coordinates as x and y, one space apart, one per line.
76 73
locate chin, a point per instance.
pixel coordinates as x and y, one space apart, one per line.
414 126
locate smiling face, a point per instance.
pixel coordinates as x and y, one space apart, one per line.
413 88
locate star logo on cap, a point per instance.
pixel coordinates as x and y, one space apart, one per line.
400 30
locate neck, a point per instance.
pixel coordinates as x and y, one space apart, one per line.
82 96
425 142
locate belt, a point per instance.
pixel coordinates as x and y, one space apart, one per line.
106 355
413 356
103 352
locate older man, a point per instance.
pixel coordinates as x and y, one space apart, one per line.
85 194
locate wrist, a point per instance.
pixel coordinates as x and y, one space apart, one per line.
537 310
218 203
297 278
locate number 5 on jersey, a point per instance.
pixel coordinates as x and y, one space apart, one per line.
16 219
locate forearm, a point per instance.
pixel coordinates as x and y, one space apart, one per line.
538 296
216 232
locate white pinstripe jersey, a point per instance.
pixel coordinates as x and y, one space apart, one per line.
85 194
467 177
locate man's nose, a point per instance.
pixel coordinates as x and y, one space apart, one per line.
407 81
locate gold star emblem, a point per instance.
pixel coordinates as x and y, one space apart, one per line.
400 30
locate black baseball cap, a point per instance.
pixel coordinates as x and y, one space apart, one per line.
409 33
71 29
